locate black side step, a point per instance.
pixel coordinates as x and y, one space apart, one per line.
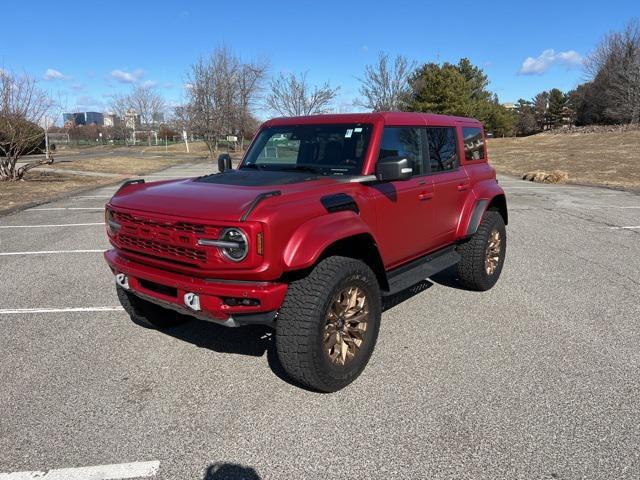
421 268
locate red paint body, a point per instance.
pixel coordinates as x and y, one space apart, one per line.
405 219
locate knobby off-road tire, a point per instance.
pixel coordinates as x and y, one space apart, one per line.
148 314
322 315
483 254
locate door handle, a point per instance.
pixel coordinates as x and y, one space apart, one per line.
463 186
425 196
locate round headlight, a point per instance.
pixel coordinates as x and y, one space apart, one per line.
237 236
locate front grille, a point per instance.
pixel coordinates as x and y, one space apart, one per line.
173 241
161 249
187 227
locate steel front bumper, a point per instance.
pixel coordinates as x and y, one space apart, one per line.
168 289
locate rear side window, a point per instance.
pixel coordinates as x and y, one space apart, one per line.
443 149
404 142
473 143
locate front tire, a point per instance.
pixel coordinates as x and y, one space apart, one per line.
328 325
482 256
148 314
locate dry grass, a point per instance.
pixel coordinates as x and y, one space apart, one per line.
122 165
604 158
40 187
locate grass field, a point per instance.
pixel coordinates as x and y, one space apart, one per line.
44 186
124 165
608 158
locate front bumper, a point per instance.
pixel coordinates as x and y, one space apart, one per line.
168 290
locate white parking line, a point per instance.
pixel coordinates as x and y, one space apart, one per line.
93 196
14 311
49 252
99 472
624 228
51 226
63 208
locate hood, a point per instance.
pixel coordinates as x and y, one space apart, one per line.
225 196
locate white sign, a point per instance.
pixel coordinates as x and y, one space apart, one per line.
232 138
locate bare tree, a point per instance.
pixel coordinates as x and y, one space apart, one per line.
210 110
615 68
120 106
385 86
292 96
23 107
250 84
149 105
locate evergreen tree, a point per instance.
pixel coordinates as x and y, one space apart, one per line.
461 90
556 110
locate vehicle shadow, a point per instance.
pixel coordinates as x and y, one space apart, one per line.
230 471
257 340
448 278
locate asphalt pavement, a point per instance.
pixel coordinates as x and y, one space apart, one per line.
536 379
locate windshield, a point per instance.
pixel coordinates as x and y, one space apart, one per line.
330 149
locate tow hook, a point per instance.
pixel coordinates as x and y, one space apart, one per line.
122 280
192 301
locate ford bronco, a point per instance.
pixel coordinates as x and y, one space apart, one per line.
324 216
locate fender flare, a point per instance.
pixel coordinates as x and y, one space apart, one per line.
482 197
313 237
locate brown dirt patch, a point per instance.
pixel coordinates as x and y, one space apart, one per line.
41 187
128 165
601 158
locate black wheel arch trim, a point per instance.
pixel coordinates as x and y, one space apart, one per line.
476 216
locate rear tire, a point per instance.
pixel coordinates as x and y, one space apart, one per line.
483 254
148 314
328 325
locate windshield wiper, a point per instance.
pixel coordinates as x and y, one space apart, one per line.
303 168
252 165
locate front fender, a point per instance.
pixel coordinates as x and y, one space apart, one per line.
479 199
312 238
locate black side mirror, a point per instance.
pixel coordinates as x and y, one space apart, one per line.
224 162
390 169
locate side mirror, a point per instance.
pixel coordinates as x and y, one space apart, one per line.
390 169
224 162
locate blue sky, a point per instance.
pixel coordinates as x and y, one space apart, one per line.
87 51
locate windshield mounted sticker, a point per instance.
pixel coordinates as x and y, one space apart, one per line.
348 133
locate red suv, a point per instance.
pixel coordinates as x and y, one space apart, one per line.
324 216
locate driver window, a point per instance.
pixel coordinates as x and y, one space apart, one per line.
404 142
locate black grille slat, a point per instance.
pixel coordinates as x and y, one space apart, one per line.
160 248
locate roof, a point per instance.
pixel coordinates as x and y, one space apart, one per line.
387 118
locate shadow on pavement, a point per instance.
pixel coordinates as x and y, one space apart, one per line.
256 341
230 471
448 278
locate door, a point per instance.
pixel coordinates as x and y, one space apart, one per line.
449 181
403 208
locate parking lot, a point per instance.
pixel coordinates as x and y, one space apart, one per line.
537 378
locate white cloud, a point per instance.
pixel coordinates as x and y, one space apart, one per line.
53 74
149 84
128 77
544 61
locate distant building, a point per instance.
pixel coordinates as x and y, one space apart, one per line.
510 106
132 120
93 117
111 120
83 118
158 118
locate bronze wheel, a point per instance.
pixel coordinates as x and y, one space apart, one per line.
346 324
492 253
328 324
